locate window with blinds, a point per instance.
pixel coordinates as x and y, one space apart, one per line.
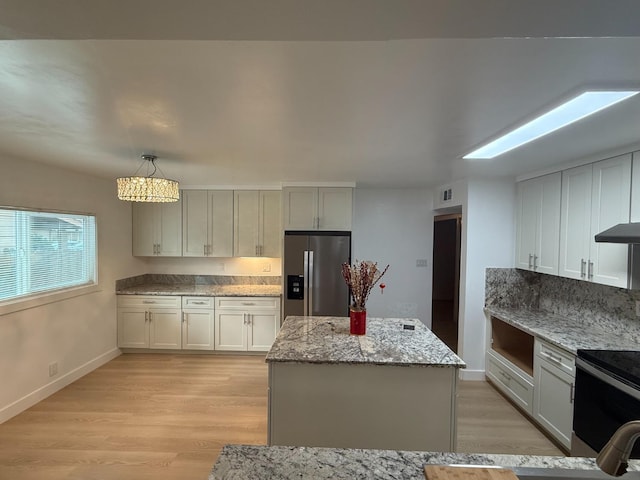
45 252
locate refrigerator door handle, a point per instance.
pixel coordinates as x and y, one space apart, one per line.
305 284
310 282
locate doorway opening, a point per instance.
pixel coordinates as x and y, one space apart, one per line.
446 278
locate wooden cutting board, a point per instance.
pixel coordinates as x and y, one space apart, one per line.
443 472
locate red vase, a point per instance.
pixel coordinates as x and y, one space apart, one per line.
358 322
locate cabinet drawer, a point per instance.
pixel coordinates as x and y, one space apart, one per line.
197 302
246 303
514 383
148 301
556 356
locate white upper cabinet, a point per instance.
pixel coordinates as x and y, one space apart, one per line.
538 224
317 208
157 229
207 223
594 198
257 223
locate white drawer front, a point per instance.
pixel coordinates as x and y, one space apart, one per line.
556 356
197 302
148 301
512 382
247 303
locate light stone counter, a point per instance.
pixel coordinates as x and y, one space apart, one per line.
247 290
569 334
388 341
288 463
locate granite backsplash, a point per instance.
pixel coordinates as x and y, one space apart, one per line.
164 279
591 303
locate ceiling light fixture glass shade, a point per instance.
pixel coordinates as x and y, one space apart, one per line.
577 108
148 188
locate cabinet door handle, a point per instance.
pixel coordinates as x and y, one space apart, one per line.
572 393
583 264
248 303
535 261
530 262
150 316
590 271
184 315
148 301
146 316
199 303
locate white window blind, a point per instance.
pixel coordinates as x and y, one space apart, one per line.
45 252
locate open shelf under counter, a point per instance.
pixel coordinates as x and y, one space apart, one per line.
513 344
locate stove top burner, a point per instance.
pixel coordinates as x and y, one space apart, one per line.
624 364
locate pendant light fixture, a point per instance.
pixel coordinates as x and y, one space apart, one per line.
148 188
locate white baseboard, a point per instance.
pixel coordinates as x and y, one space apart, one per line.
475 375
43 392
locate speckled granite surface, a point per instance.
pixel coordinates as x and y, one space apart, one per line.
200 285
203 290
284 463
569 313
327 340
566 333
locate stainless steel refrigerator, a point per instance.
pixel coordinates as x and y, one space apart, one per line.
313 273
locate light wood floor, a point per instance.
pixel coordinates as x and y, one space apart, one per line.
159 417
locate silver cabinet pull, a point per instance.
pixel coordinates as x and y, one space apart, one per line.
148 301
583 264
535 261
248 303
183 316
146 316
199 303
530 262
572 393
590 272
552 357
150 316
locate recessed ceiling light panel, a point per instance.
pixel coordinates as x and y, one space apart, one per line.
579 107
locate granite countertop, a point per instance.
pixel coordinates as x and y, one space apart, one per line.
387 342
569 334
250 290
284 463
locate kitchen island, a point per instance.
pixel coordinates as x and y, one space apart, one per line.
393 388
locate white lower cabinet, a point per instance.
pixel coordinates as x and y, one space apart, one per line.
198 323
149 321
514 382
246 323
554 376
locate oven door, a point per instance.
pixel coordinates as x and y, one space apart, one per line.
602 403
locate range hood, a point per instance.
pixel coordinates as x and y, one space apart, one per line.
622 233
626 233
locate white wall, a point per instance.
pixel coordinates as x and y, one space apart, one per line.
214 266
395 227
78 333
488 240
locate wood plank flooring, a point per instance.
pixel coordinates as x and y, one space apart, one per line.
161 417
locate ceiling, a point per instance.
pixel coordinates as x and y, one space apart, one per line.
248 92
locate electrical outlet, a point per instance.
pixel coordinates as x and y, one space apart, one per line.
266 267
422 262
53 369
637 308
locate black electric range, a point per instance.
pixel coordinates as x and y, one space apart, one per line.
624 364
607 395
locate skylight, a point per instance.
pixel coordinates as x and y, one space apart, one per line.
579 107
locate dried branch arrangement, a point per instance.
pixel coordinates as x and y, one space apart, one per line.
361 277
